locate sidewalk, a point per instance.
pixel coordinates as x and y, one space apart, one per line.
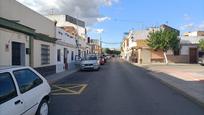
187 79
58 76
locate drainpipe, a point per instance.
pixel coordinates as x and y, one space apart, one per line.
31 57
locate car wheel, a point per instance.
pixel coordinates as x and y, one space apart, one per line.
43 108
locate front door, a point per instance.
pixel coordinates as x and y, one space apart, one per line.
16 53
65 58
193 55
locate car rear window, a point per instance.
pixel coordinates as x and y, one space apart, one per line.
7 88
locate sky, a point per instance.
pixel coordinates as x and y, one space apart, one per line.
110 19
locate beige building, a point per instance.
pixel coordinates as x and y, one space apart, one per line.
135 49
27 38
95 46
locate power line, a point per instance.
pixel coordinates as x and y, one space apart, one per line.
110 43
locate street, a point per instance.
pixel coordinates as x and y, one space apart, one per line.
119 88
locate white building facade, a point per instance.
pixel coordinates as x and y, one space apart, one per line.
27 38
66 51
64 21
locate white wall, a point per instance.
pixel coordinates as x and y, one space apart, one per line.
193 34
37 53
64 41
64 37
184 50
61 22
6 38
13 10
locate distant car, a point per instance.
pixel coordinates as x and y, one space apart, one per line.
23 91
90 62
108 57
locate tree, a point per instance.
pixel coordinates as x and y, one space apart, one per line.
164 40
107 50
201 44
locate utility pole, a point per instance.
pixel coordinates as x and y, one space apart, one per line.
100 43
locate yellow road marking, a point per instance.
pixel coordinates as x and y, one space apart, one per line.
65 89
82 89
69 89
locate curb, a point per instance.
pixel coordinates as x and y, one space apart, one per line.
180 91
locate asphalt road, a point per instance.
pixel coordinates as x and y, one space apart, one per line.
120 88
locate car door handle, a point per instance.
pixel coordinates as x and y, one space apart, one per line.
17 102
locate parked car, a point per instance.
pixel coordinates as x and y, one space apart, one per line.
23 91
201 58
201 61
90 62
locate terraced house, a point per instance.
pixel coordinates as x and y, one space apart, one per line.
26 38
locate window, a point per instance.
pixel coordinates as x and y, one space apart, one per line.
45 54
7 88
26 79
72 56
60 33
58 55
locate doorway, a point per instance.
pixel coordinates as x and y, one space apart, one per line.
66 58
18 53
193 55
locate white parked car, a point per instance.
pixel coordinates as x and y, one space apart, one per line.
90 62
23 91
